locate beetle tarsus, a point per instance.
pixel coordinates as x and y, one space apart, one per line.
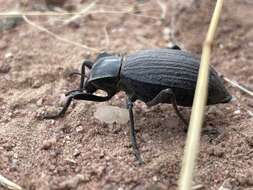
76 73
163 97
62 112
72 91
77 95
133 133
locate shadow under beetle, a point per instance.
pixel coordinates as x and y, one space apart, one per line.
153 76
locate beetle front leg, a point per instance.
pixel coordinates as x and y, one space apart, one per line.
163 97
133 132
62 112
78 96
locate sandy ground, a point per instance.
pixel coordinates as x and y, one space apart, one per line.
80 152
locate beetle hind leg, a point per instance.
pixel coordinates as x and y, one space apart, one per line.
133 133
163 97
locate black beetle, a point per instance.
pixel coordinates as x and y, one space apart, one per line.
153 76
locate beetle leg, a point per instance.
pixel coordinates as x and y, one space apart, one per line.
62 112
133 132
78 96
163 97
71 92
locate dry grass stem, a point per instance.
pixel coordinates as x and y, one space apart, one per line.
237 85
107 38
163 9
50 13
58 37
197 187
9 184
199 102
82 12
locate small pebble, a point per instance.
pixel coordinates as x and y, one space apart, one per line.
8 55
39 102
236 112
36 84
111 114
79 128
155 178
70 161
47 144
5 68
77 152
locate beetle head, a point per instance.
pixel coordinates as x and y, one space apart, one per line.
104 74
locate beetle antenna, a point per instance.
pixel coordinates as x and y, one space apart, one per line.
76 73
88 64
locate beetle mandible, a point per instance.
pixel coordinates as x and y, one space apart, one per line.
153 76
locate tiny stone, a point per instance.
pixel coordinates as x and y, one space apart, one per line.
5 68
102 155
36 84
79 129
77 152
14 164
8 55
70 161
224 188
111 114
219 152
10 114
237 112
39 102
221 46
155 178
47 144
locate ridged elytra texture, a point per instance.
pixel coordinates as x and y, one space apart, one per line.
145 73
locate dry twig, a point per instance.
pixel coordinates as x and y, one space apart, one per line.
163 9
237 85
83 12
58 37
197 116
107 38
50 13
9 184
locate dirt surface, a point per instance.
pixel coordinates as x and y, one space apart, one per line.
80 152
